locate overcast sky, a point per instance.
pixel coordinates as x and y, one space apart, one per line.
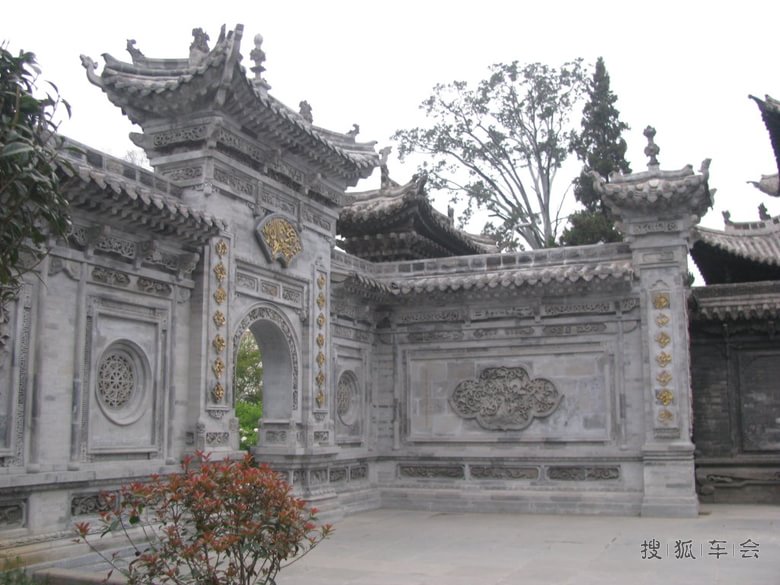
684 67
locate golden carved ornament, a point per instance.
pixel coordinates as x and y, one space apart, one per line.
665 396
663 359
661 301
321 300
320 398
665 416
219 343
664 378
321 320
219 318
320 379
662 320
220 295
663 339
321 281
218 367
220 272
320 359
282 239
320 340
218 392
221 248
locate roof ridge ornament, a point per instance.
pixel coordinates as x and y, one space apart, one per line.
652 149
258 56
305 111
199 47
135 52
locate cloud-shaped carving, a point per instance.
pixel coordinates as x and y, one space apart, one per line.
505 399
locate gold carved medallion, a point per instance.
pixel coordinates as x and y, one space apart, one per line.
220 272
320 399
321 281
219 343
661 301
320 379
221 248
321 300
665 416
219 318
321 320
664 378
662 320
665 396
218 367
663 339
279 240
220 295
218 392
320 359
663 359
320 340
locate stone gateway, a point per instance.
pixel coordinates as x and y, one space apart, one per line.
406 363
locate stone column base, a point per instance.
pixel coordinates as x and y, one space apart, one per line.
669 481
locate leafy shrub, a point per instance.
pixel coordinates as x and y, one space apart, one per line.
215 523
249 414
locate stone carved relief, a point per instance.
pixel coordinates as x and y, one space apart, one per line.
116 382
218 438
246 281
155 287
493 472
432 471
594 307
112 277
578 329
242 186
338 474
321 436
276 436
12 514
573 473
505 399
428 336
192 134
89 504
358 472
424 316
278 239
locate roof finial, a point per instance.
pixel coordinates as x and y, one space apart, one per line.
258 56
763 213
200 45
135 52
305 111
652 149
385 182
355 130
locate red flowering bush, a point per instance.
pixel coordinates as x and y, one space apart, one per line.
215 523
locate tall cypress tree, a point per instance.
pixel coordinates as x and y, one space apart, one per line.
601 148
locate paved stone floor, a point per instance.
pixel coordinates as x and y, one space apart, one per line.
392 547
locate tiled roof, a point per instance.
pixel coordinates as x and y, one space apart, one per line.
542 275
736 301
103 184
757 241
401 216
151 89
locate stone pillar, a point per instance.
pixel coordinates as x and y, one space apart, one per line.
656 210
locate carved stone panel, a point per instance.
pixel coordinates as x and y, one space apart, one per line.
505 398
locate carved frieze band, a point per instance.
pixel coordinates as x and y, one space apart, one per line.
664 400
431 471
505 398
149 252
218 343
320 359
12 514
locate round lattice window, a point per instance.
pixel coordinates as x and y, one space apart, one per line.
116 380
347 398
121 378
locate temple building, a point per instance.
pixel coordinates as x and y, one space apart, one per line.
734 349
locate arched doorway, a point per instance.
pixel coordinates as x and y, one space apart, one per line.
268 330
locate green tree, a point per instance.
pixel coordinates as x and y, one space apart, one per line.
31 205
500 145
602 149
248 380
